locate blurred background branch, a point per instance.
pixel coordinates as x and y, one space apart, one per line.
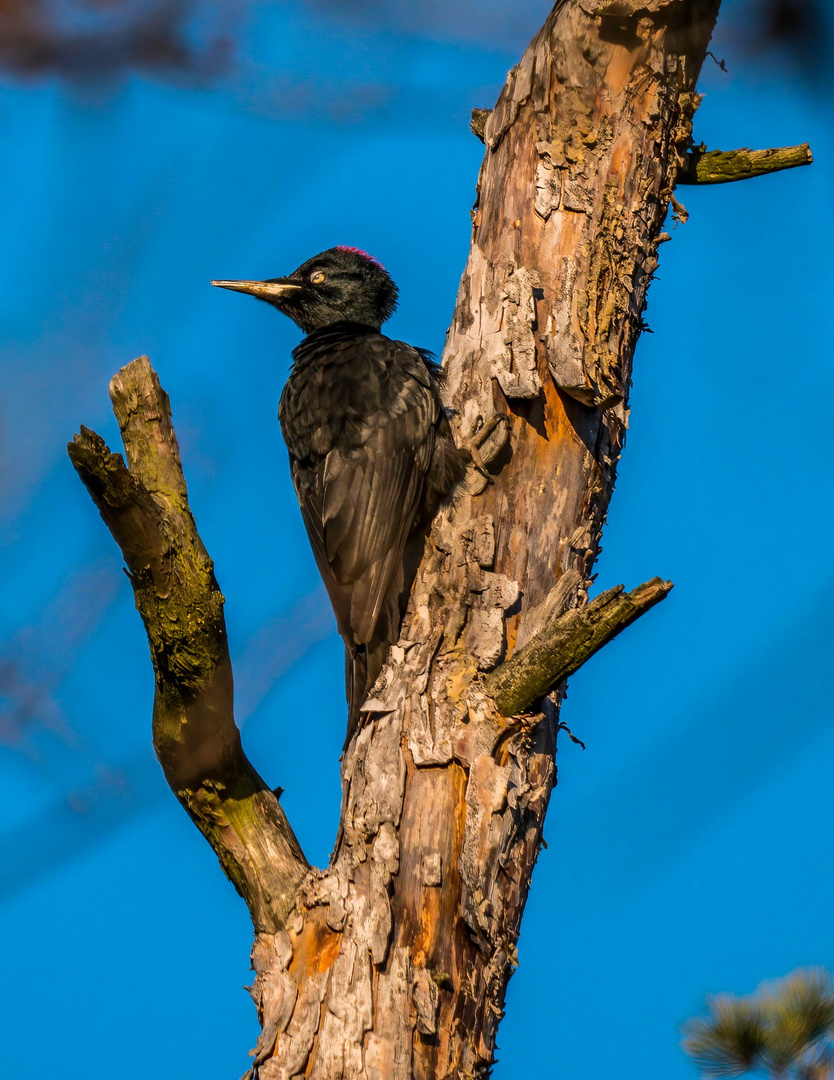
199 40
91 39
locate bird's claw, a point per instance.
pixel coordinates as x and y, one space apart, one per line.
478 440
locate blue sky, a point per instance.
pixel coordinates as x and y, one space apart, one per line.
689 845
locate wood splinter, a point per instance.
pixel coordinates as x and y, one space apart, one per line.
565 642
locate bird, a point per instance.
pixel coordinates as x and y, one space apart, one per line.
372 454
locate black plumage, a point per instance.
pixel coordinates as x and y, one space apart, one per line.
371 451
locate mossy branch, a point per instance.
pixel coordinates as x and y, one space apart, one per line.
145 506
565 642
704 166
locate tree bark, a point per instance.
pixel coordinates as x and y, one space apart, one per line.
393 962
145 506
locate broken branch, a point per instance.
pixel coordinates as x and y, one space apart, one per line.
477 122
704 166
566 642
145 506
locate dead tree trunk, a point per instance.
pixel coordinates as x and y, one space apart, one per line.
393 962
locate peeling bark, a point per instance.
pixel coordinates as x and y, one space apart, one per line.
582 153
444 798
393 962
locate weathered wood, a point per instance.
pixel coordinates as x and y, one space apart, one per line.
443 797
565 642
704 166
145 506
394 961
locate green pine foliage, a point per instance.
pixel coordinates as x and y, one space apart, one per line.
785 1030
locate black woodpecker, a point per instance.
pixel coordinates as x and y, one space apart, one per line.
371 452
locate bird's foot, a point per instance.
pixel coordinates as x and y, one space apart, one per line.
484 446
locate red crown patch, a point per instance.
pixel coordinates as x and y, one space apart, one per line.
364 254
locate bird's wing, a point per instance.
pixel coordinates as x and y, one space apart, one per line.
371 498
360 502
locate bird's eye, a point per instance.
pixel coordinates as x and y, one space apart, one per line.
317 277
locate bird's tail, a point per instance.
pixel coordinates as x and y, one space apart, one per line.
363 664
356 685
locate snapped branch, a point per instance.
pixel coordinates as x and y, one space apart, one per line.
704 166
145 506
565 642
477 123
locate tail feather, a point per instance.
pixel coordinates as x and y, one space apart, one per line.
363 663
356 681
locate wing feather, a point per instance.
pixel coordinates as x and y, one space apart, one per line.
361 492
370 499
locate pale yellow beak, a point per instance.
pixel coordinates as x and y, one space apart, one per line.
264 290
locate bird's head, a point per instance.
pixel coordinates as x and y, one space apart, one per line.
340 284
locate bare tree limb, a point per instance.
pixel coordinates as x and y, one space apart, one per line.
145 507
394 963
704 166
566 642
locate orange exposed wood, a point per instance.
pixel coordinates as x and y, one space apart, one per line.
394 962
